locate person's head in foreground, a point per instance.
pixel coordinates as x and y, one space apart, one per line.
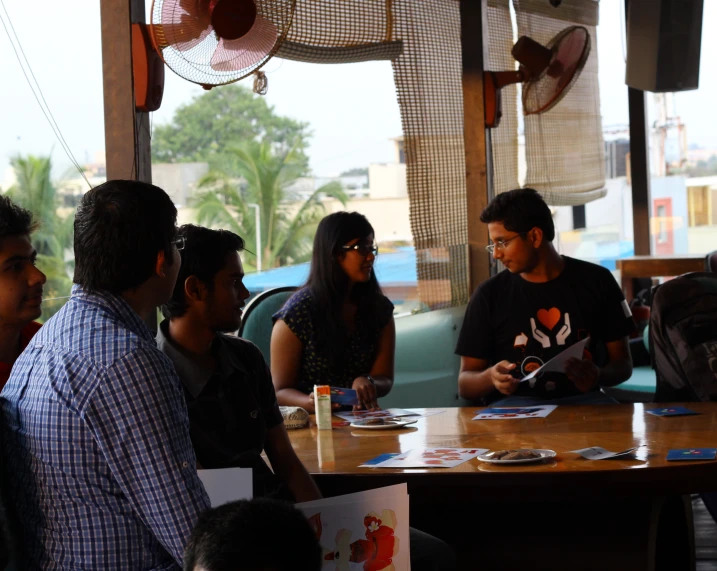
520 227
20 281
253 535
126 241
209 288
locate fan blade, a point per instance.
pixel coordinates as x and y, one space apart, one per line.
233 55
185 24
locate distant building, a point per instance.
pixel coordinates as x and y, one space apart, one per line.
179 180
617 153
71 190
388 180
694 156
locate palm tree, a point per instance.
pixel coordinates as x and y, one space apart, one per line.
34 191
256 174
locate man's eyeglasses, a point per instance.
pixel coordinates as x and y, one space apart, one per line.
363 249
179 243
500 244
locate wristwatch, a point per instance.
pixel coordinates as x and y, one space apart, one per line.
371 379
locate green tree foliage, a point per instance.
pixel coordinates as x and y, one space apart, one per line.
703 168
221 119
256 173
359 171
53 239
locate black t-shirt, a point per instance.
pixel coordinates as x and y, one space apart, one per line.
509 318
230 409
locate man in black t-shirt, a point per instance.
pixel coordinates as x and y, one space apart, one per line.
232 407
540 305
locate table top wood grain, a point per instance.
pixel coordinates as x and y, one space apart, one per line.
657 266
337 453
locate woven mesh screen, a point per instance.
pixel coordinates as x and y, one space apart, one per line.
430 95
565 155
342 32
504 138
422 38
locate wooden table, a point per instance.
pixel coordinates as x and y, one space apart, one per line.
632 501
655 266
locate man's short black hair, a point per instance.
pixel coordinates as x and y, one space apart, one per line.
261 533
120 227
204 255
15 220
520 210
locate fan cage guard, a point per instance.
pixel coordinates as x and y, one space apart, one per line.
538 95
194 62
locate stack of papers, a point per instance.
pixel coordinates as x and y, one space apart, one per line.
599 453
352 415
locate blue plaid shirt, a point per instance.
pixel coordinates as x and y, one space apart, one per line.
96 435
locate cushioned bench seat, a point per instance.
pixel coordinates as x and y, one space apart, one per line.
640 387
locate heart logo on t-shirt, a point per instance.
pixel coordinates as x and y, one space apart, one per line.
549 317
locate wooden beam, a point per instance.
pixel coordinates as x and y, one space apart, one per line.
127 135
639 170
639 164
474 134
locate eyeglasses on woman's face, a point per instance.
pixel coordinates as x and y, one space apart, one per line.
500 244
179 243
362 248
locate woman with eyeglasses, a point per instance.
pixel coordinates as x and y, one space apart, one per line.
338 329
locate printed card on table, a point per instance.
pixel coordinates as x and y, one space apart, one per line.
510 412
692 454
378 459
352 415
671 411
599 453
363 531
432 458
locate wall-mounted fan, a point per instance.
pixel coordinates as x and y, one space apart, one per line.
209 42
546 72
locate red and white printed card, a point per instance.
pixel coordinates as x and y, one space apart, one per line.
432 458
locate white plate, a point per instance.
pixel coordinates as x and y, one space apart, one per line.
394 423
544 454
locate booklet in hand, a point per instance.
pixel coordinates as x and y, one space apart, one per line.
368 529
557 363
343 396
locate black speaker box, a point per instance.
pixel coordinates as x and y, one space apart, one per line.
663 44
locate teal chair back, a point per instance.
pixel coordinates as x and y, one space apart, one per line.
256 325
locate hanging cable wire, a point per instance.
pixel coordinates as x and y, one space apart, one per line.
44 107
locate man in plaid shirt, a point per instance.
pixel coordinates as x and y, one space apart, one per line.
99 460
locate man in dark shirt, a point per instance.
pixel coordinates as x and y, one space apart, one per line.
233 412
540 305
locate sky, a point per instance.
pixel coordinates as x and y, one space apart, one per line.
352 109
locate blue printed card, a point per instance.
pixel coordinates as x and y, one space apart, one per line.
692 454
379 459
344 396
671 411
